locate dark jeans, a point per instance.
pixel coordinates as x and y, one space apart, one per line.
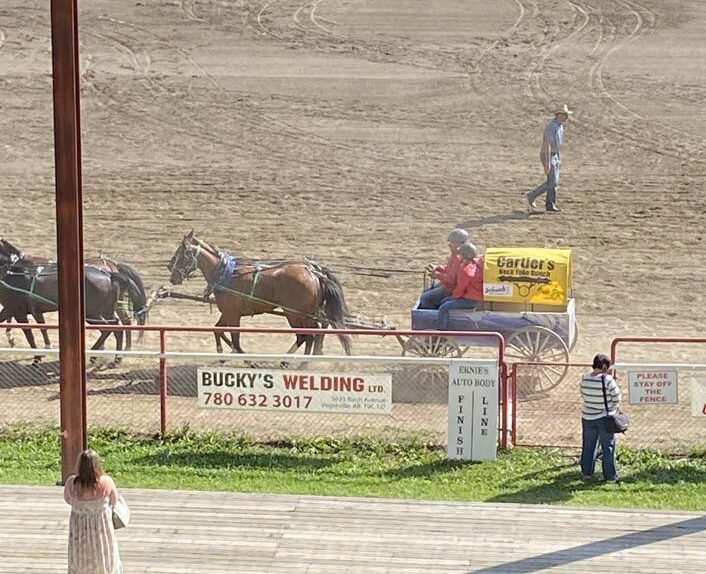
595 432
431 298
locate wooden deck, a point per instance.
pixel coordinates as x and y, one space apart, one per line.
214 533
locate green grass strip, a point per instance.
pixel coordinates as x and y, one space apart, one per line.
359 467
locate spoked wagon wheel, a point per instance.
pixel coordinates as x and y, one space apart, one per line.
431 346
537 345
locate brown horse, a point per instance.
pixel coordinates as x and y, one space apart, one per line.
308 294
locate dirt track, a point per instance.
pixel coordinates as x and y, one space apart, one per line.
359 133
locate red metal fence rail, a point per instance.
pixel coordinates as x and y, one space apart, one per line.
176 374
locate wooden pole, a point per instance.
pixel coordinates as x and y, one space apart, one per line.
69 229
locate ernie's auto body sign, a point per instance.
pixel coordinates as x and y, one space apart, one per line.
264 389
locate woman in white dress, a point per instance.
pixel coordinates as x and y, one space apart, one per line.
93 546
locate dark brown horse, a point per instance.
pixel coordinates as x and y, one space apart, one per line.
9 254
307 294
138 299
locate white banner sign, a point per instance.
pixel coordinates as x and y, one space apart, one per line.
698 398
262 389
654 386
473 410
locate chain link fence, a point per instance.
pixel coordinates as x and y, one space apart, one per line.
552 417
126 390
130 393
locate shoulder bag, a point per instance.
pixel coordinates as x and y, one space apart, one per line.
620 421
121 514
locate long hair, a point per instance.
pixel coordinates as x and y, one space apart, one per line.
89 470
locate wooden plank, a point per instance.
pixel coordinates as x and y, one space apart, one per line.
191 532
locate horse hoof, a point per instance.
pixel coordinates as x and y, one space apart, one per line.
36 361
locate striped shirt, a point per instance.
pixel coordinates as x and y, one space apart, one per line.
592 393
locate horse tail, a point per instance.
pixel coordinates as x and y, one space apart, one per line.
334 304
137 295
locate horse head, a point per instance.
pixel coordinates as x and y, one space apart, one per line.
184 262
9 253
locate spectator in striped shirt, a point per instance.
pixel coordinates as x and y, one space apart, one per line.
594 418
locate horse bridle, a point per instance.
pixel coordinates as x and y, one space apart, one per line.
190 258
186 263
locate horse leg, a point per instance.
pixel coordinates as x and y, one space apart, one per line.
219 336
319 341
295 322
5 317
30 338
118 345
39 318
99 344
235 335
124 318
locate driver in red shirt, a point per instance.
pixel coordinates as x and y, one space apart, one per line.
468 291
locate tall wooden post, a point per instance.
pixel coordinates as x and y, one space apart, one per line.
69 229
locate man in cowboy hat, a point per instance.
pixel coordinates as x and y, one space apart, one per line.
550 158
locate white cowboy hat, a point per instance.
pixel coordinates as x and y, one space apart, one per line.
564 110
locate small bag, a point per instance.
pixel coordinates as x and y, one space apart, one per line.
620 421
121 514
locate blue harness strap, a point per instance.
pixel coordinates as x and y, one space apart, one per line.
227 268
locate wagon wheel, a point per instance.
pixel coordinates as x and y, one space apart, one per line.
431 346
537 345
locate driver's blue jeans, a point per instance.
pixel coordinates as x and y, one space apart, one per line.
447 305
431 298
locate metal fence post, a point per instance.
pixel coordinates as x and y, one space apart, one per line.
163 382
513 391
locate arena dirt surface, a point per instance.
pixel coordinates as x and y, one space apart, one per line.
359 133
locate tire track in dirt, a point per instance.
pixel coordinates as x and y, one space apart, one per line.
615 28
206 130
293 138
634 127
344 149
579 23
164 118
316 20
186 7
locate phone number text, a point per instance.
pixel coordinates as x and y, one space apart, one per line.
256 401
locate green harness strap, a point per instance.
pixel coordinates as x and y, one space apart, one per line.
254 282
32 295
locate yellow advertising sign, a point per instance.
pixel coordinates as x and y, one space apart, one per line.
527 275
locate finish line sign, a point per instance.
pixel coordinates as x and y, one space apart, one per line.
271 390
473 410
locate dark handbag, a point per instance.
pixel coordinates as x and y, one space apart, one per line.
620 421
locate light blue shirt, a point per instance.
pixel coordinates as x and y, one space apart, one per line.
553 135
